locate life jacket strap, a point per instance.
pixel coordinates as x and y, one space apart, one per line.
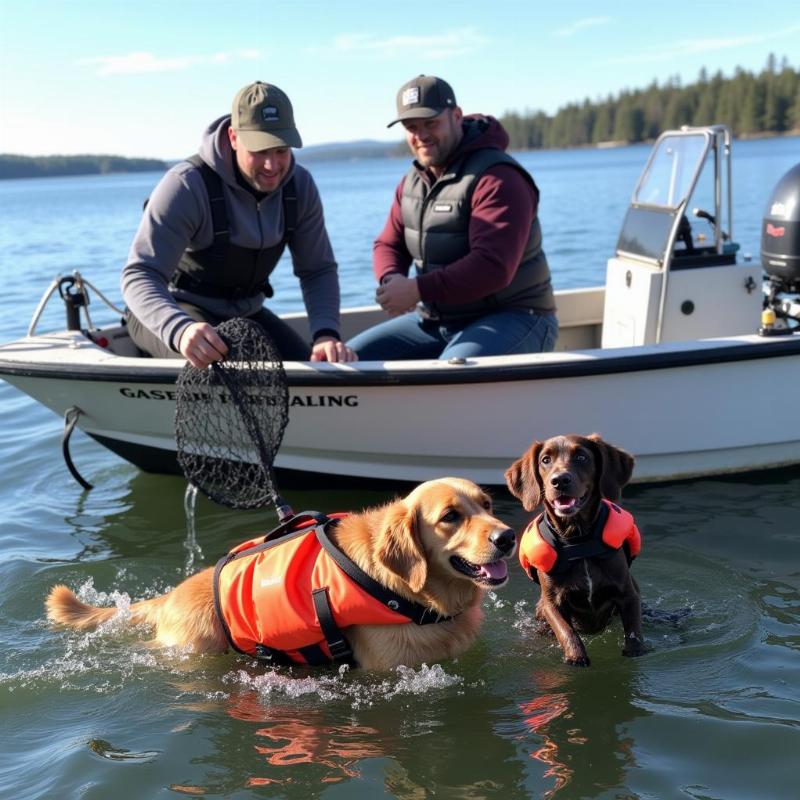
589 546
338 646
272 657
416 612
218 603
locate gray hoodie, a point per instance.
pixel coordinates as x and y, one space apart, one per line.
178 218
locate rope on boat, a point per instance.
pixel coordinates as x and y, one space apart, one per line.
70 418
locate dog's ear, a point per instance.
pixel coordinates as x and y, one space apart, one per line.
614 469
399 549
522 478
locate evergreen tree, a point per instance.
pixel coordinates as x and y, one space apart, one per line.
747 103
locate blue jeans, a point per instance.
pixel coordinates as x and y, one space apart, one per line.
502 333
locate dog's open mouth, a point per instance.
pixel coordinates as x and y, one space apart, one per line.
492 574
565 505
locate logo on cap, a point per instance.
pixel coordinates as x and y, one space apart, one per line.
270 114
411 95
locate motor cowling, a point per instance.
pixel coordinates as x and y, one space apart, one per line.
780 232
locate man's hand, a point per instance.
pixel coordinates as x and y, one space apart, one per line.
200 345
397 294
326 348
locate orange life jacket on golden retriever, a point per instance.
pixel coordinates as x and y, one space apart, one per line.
539 549
285 597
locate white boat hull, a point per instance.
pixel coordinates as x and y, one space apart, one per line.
664 361
684 409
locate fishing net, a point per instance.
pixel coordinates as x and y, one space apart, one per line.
230 419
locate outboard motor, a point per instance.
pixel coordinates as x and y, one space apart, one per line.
780 246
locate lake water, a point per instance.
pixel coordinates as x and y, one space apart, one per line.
712 712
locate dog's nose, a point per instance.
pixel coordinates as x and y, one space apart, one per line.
504 541
561 480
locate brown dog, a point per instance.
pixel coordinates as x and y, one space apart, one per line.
580 549
439 549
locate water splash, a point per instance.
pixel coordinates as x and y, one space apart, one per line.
191 544
360 688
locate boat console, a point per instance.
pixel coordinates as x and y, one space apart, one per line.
674 276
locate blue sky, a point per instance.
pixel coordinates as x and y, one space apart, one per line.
143 78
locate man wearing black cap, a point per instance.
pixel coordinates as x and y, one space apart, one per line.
466 216
214 229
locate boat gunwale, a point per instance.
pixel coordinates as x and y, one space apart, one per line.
452 374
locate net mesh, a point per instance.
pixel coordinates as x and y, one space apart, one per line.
230 419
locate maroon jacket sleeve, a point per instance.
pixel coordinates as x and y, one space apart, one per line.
503 207
389 253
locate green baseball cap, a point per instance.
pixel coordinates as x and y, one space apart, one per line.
262 117
423 97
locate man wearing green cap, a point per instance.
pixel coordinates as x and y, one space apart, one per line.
465 216
215 227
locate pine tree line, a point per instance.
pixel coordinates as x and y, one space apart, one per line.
749 103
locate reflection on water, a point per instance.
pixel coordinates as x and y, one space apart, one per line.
575 724
286 739
508 719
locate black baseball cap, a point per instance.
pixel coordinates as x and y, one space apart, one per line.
423 97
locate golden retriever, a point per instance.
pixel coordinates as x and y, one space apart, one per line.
439 547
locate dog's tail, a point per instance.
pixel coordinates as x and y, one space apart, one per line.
64 608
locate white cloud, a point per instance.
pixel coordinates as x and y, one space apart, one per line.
582 24
689 47
436 46
141 62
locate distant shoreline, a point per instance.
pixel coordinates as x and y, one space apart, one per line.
18 166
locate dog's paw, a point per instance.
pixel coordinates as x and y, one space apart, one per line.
635 648
578 661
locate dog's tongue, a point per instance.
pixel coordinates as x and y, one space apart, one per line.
496 571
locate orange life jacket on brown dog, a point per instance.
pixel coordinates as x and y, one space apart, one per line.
541 549
285 597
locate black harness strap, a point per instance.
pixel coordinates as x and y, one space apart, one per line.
217 604
589 546
221 227
421 615
271 657
289 197
216 201
338 646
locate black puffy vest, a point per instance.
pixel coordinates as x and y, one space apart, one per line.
436 221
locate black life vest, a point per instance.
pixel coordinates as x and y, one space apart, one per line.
223 269
436 232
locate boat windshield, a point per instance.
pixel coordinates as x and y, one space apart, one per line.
673 173
672 170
